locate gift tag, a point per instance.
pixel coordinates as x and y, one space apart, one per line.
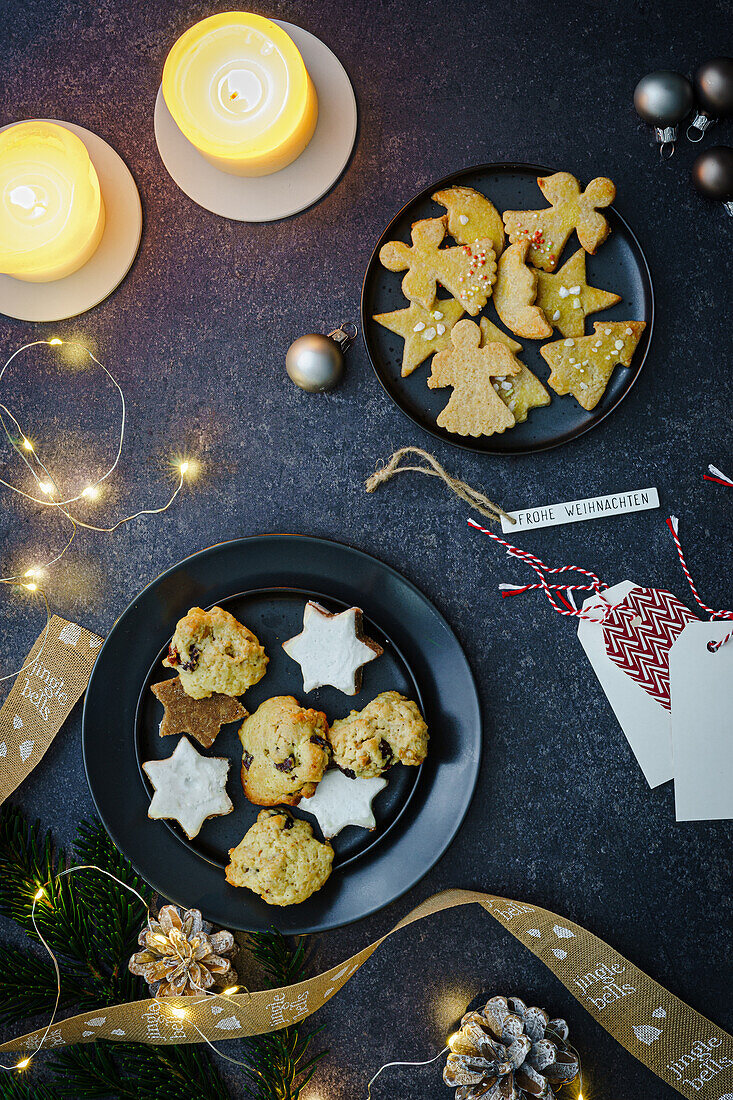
701 686
643 719
639 633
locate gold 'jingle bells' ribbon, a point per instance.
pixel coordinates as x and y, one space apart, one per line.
679 1045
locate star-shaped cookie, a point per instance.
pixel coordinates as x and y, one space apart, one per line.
331 648
584 367
188 787
424 330
566 299
340 801
202 718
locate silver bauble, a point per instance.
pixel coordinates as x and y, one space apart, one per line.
663 98
316 362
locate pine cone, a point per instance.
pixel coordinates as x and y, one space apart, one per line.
181 955
510 1052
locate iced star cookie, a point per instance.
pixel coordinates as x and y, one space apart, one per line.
471 217
389 730
280 859
466 271
520 392
515 293
583 367
189 788
212 652
547 231
340 801
202 718
332 648
474 407
424 331
285 752
566 298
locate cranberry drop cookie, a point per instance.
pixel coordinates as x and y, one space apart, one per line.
280 859
213 652
390 730
285 751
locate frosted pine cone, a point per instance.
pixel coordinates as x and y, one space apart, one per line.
507 1051
181 955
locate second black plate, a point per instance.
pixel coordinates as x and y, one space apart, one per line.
619 265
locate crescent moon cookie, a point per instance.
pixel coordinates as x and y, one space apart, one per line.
331 649
424 331
213 652
515 292
474 407
584 367
189 788
285 752
519 392
466 271
566 298
471 217
389 730
340 801
280 859
548 230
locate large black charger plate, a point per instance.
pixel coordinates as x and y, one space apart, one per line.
265 581
619 265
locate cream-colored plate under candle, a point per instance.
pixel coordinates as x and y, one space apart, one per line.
300 184
110 262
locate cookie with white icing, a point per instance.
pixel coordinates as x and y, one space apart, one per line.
331 649
189 787
340 801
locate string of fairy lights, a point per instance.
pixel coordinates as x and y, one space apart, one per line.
47 488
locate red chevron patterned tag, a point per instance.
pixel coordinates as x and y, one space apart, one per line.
638 634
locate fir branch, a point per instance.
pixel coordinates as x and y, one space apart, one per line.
28 986
132 1071
13 1087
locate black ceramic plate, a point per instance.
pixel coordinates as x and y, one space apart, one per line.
619 265
265 582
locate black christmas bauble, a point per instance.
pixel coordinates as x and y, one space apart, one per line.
714 87
663 98
712 173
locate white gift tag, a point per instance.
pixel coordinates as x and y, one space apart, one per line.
701 688
645 722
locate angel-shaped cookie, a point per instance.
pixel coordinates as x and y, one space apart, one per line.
584 367
423 330
548 230
468 272
471 216
474 408
567 299
515 292
522 392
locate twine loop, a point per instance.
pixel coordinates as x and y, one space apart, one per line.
713 647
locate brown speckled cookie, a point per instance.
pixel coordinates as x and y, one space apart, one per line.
388 731
280 859
285 752
213 652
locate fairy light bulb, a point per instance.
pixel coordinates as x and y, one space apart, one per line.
23 1064
229 990
46 487
31 587
91 492
27 445
54 342
40 893
184 467
180 1013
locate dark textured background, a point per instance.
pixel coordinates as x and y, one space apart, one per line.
197 335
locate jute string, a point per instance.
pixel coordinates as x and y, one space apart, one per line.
466 492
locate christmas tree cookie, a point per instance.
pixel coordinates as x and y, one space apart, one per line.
468 272
566 298
584 367
522 391
471 217
548 230
474 408
424 330
515 292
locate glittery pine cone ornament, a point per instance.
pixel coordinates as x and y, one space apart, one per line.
510 1052
181 955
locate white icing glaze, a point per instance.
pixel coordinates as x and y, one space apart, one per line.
340 801
328 649
189 787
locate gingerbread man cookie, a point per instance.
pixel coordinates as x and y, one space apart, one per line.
567 299
522 392
468 272
471 217
584 367
515 292
474 407
548 230
424 330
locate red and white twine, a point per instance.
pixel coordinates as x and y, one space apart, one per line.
673 524
718 477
